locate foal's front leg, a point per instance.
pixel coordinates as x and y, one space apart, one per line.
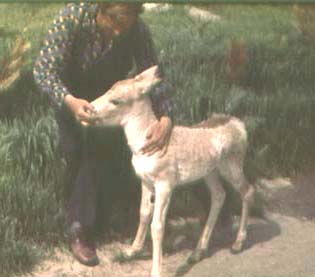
163 194
146 211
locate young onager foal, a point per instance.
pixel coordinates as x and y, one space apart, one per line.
193 153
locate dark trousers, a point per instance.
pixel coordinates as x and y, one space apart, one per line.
98 171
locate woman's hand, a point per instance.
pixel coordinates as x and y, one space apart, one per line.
158 136
80 108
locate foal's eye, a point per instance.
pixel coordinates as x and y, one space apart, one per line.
115 102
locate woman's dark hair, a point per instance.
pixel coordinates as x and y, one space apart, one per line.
120 9
121 14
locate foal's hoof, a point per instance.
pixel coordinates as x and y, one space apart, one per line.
125 255
131 253
197 256
237 248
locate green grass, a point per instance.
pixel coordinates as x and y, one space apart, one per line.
277 97
276 100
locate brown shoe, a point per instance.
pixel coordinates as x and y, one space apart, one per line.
84 252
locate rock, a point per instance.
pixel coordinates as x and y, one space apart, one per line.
275 185
158 7
202 15
183 225
178 242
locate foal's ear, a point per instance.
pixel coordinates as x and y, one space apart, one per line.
147 80
150 73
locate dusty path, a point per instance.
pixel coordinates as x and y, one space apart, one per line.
283 247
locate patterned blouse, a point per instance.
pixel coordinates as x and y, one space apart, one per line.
77 58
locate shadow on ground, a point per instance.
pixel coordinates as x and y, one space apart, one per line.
259 231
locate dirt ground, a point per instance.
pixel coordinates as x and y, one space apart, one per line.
281 246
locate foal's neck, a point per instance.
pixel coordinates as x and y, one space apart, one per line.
137 124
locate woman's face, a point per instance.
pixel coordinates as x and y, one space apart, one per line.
113 26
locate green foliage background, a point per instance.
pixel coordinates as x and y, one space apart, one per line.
276 99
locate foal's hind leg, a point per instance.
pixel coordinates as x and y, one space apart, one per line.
217 199
232 170
247 198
